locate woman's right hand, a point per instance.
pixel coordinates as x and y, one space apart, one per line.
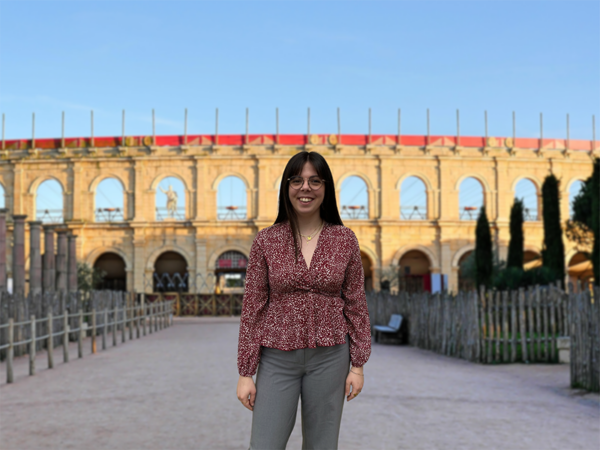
246 392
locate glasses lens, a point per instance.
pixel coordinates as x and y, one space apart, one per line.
296 183
315 183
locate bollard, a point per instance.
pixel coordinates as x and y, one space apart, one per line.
65 336
10 351
156 313
80 340
114 326
93 331
137 322
104 325
50 342
32 348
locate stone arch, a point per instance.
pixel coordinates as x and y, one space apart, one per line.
39 180
99 251
538 200
537 183
100 178
410 247
428 189
212 260
362 176
115 271
460 253
567 189
419 175
162 176
484 184
371 204
222 176
151 260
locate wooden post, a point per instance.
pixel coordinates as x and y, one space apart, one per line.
123 321
545 326
522 326
490 326
137 322
10 351
151 310
505 326
130 321
50 342
114 325
104 325
80 340
144 318
530 328
497 325
65 336
538 325
482 324
553 297
513 326
93 331
32 347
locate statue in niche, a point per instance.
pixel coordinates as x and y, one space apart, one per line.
171 201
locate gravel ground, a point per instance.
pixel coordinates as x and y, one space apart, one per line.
175 389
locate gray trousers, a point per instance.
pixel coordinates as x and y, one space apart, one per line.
318 377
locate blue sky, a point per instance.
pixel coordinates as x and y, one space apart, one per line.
504 56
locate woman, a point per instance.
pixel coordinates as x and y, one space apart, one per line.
304 314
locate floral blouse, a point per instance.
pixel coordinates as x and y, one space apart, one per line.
290 306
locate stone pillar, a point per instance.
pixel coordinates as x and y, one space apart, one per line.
61 260
3 249
72 263
35 258
49 281
18 261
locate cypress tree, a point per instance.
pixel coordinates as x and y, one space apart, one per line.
515 246
483 251
553 254
595 222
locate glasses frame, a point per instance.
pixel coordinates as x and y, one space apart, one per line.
308 181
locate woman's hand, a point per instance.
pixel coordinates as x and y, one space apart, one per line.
246 392
356 380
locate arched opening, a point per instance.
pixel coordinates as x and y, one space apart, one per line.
354 199
415 273
367 264
413 199
49 202
531 259
470 198
112 266
465 272
2 197
170 273
574 190
231 199
230 270
170 200
527 191
108 201
581 272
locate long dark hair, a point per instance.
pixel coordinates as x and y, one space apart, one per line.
328 210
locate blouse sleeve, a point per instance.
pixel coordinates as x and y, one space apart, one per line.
254 308
355 308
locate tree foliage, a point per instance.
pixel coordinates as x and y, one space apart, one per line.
515 246
553 253
484 257
88 278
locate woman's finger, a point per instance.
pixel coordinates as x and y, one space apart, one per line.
252 398
348 383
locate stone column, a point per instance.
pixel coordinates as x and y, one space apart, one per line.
72 263
35 258
18 261
61 260
49 260
3 249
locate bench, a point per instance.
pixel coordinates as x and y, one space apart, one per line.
393 327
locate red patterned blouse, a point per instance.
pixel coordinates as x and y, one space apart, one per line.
290 306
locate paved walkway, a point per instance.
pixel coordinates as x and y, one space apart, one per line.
175 389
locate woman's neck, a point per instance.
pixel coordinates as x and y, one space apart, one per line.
309 224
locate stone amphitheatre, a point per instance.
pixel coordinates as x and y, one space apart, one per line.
196 238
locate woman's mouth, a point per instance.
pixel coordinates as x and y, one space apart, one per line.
305 200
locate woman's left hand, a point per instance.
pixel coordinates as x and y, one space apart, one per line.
356 381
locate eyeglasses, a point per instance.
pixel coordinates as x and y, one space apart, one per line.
315 183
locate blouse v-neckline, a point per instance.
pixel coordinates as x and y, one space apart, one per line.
308 266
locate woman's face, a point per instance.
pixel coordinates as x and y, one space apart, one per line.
306 201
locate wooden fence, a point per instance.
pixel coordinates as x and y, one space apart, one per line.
488 327
152 317
200 304
584 318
